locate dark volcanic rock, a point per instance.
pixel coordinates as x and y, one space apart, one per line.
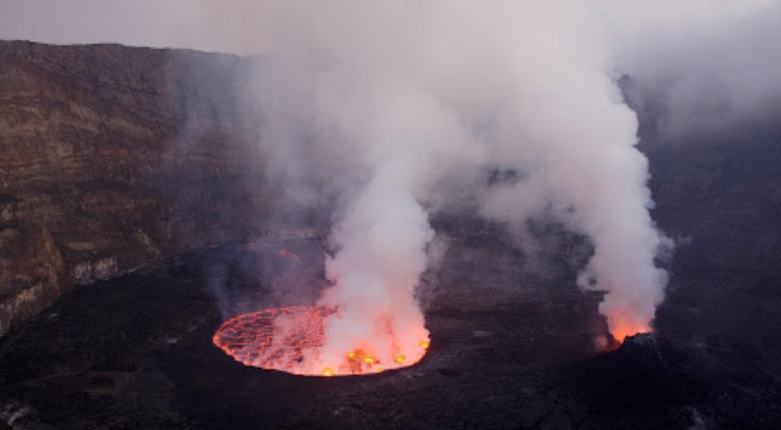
633 375
638 353
136 352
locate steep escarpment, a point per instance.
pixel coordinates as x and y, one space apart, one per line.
111 157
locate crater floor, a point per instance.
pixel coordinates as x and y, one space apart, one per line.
508 351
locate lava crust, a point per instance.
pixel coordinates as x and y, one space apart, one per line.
273 338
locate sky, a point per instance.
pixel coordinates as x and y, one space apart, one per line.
168 23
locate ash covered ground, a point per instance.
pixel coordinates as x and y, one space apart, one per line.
512 347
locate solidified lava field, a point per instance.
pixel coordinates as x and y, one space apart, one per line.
137 352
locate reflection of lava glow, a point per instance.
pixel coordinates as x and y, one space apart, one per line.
290 339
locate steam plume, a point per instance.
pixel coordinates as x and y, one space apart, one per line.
414 90
364 101
380 105
398 98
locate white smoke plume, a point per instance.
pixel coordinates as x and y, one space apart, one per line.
408 94
380 104
382 140
702 65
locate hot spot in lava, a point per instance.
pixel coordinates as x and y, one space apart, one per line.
290 340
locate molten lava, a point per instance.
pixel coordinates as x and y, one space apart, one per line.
623 323
289 339
622 332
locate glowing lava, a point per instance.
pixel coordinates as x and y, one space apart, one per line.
621 331
290 339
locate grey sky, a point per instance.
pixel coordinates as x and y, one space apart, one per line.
168 23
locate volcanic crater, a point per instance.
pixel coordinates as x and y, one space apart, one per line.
514 342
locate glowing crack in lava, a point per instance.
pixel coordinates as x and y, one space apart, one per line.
289 339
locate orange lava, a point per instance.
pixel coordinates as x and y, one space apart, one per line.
623 323
253 339
619 338
624 332
285 338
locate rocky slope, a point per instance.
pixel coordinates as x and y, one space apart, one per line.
111 157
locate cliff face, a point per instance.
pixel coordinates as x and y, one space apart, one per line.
111 157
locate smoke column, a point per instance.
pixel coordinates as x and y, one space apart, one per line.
382 140
410 94
379 106
398 98
566 129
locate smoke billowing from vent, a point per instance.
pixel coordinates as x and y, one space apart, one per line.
377 107
399 97
409 95
382 140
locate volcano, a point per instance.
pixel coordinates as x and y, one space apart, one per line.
514 341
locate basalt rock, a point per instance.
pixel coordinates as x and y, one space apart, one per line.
638 353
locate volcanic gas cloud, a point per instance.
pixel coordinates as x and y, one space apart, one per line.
388 111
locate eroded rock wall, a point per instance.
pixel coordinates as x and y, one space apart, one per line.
113 156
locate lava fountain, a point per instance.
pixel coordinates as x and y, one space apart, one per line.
289 339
